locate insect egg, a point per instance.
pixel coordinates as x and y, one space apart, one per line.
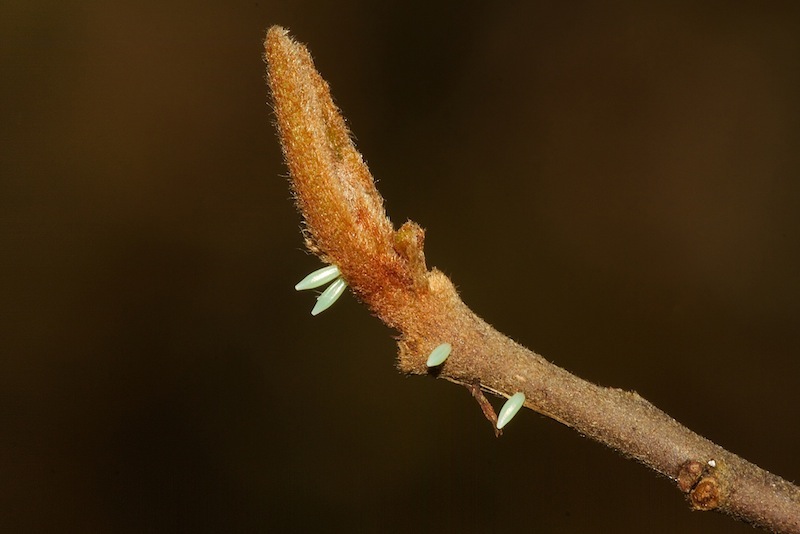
439 355
329 296
318 278
510 409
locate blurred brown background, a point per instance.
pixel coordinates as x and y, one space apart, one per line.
614 185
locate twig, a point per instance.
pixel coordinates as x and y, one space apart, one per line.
345 225
486 407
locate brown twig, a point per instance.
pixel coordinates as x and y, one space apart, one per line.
345 224
486 406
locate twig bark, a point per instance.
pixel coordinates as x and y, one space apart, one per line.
346 225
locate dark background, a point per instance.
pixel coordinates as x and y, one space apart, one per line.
613 184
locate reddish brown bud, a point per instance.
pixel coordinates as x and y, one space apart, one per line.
689 475
706 494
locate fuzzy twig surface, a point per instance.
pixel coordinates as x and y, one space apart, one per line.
346 225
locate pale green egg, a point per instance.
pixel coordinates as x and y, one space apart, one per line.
329 296
439 354
510 409
318 278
